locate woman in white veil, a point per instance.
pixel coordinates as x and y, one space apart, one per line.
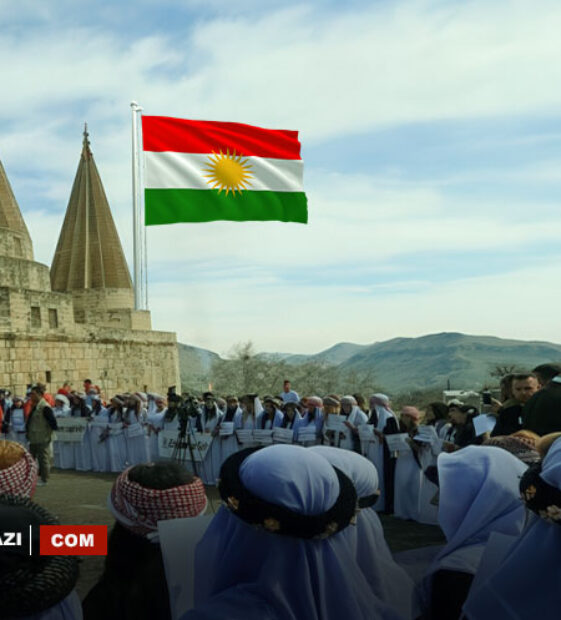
388 580
277 549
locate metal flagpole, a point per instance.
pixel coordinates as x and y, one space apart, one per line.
136 212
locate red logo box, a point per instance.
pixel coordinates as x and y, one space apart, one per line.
73 540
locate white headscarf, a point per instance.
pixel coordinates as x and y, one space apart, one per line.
381 404
526 584
388 580
298 578
479 494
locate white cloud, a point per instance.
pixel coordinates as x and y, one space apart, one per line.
327 73
279 317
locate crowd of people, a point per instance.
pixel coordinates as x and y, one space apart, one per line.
298 534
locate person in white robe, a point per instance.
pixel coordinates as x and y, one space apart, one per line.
312 418
524 583
82 450
388 580
384 421
151 405
233 415
285 552
408 470
143 407
137 450
352 417
291 418
251 411
437 415
271 416
115 436
155 423
98 426
14 422
479 495
63 450
212 416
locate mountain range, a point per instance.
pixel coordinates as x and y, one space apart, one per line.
461 361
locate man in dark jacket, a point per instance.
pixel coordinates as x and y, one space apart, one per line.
39 427
542 413
510 415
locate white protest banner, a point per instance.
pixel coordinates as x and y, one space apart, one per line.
200 443
484 424
263 437
178 539
335 422
366 432
307 435
426 434
226 429
245 436
398 442
283 435
71 429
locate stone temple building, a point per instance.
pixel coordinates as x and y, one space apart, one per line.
77 320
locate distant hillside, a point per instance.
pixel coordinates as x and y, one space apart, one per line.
336 355
403 364
430 361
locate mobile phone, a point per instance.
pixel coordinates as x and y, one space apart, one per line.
486 398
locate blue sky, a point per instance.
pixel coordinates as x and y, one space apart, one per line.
431 138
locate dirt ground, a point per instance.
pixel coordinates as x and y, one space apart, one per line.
80 498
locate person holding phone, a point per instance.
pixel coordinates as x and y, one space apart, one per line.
510 418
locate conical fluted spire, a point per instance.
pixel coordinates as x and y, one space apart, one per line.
89 252
15 239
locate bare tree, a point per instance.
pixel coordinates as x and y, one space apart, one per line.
246 371
500 370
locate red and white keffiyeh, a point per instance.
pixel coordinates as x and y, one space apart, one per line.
139 508
19 478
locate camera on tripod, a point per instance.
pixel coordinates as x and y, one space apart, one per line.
183 406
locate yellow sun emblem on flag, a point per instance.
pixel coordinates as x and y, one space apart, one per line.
228 171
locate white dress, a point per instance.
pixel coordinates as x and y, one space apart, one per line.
374 451
407 486
316 423
266 423
99 449
63 450
154 424
82 450
345 439
136 448
210 467
16 431
229 444
116 444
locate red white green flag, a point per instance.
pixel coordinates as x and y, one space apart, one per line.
201 171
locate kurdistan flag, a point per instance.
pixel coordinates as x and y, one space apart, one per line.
200 171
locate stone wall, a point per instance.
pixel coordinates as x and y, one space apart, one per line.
21 273
115 359
93 303
14 243
38 312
